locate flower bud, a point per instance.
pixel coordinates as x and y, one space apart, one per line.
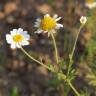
83 20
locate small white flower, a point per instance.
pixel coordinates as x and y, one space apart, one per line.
17 38
90 4
48 24
83 20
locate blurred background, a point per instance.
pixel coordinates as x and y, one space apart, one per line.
19 76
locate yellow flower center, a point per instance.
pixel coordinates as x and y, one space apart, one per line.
90 1
48 23
18 38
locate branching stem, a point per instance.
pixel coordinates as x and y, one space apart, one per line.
32 58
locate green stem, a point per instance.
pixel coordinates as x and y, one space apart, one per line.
71 55
32 58
56 52
73 88
63 76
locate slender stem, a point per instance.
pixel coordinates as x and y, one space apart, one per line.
69 83
73 88
76 41
71 55
56 52
32 58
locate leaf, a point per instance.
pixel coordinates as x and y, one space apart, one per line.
72 74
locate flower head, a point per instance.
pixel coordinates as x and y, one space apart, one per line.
17 38
83 20
90 4
48 24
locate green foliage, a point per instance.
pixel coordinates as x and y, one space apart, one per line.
90 57
91 48
62 63
54 81
91 24
92 78
72 74
66 89
85 93
14 92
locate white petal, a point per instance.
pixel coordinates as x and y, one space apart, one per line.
38 20
53 31
37 25
18 45
58 26
13 32
20 30
57 19
38 31
90 5
13 46
48 34
55 16
9 38
23 43
94 4
27 37
47 15
22 33
45 31
25 32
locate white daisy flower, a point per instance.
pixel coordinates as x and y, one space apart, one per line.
83 20
48 24
90 4
17 38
